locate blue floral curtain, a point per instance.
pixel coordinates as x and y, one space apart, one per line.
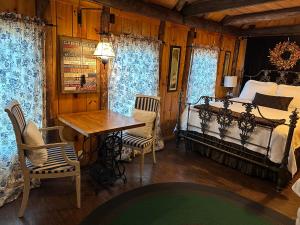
203 73
21 78
135 71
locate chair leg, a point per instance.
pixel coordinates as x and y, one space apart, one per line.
142 166
153 153
78 191
26 190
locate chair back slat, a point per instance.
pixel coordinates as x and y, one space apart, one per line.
147 103
17 118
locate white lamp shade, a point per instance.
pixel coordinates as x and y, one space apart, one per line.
230 81
104 50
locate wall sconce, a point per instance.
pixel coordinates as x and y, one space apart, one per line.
104 50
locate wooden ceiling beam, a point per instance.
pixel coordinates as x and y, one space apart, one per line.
40 7
208 6
210 25
261 16
273 31
165 14
180 4
146 9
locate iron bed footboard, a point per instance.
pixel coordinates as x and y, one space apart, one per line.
246 123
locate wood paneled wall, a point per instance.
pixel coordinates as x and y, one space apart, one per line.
63 15
174 35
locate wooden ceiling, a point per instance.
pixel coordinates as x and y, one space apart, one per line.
245 18
254 14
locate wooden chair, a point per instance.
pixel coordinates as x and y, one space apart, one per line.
62 159
141 144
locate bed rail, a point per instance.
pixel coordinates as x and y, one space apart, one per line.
246 122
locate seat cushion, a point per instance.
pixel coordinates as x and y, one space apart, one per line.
55 162
135 141
148 118
32 136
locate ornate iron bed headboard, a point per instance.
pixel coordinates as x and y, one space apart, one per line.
277 76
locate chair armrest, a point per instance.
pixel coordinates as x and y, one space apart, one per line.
61 146
34 147
59 128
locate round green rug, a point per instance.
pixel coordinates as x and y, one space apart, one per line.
183 204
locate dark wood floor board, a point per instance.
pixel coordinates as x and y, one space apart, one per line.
54 203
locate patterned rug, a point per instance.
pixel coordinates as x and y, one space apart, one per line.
183 204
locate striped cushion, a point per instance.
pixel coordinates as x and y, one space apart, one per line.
55 162
135 141
146 103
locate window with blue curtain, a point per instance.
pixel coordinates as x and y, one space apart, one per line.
203 73
21 78
135 71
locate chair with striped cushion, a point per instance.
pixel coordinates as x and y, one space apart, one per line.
62 159
141 144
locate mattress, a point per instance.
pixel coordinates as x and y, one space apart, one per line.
260 136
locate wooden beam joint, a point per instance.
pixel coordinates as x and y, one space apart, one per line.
40 7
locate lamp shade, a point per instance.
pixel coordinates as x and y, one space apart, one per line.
104 50
230 81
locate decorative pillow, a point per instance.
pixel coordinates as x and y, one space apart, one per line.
253 86
275 102
290 91
32 136
146 117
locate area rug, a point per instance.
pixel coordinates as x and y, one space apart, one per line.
183 204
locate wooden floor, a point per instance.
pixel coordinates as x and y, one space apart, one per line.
54 202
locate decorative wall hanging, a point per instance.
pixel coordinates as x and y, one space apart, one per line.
78 65
285 55
174 65
226 65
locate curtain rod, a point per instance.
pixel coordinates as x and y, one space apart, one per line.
138 37
204 46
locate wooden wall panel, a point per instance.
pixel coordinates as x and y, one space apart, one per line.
227 44
63 15
25 7
174 35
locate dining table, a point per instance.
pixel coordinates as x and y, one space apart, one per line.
107 127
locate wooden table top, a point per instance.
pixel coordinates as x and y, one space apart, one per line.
97 122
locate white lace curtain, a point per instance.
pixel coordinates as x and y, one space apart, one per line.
203 73
21 78
135 71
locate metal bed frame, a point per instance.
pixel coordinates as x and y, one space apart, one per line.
246 122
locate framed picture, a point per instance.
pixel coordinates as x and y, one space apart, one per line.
174 63
78 67
226 65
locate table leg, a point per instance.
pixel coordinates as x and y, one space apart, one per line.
108 167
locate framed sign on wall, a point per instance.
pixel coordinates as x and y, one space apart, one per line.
78 65
174 64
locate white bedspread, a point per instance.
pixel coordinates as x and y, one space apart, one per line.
260 136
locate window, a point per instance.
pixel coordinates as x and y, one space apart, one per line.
21 78
135 71
203 73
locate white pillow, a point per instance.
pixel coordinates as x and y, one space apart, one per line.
32 136
290 91
253 86
146 117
